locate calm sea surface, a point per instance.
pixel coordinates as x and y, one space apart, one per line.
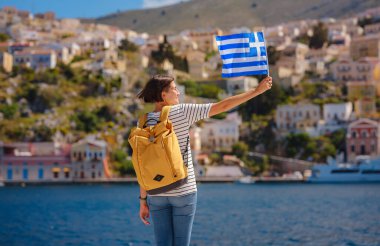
227 214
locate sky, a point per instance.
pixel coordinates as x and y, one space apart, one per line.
84 8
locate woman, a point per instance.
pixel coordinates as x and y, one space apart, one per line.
173 211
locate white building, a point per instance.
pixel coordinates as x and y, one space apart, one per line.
62 52
36 58
196 62
293 57
241 84
335 116
89 159
224 171
335 112
219 134
298 118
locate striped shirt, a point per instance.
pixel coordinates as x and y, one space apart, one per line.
183 116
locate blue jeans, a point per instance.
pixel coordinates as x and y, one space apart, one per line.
173 218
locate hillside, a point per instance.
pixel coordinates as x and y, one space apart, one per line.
227 14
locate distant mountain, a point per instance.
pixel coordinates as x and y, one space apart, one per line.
231 13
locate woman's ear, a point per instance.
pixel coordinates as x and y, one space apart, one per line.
163 95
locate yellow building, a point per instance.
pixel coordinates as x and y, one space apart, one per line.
6 61
363 95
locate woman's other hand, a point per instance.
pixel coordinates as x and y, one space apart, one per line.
144 212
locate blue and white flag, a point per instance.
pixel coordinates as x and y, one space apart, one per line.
243 54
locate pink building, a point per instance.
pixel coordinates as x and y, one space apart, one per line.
85 160
345 69
28 162
363 138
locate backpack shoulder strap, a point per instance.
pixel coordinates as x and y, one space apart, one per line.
164 113
142 120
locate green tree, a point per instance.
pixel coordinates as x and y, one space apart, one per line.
166 51
265 103
42 133
127 45
195 89
4 37
320 36
9 111
338 139
295 144
240 149
273 55
122 165
86 121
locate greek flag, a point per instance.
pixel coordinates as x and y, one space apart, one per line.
243 54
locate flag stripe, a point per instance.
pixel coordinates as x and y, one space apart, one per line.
233 46
229 75
238 55
245 64
233 36
233 41
244 59
236 50
244 69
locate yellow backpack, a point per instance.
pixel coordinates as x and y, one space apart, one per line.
156 156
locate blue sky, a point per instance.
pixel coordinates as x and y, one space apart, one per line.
84 8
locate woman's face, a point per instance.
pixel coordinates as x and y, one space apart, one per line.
171 95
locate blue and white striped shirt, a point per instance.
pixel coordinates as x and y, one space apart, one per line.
183 116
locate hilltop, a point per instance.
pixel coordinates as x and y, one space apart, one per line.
226 14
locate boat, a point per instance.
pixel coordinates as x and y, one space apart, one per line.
246 180
364 169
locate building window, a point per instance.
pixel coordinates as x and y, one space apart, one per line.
10 174
25 174
75 154
364 134
362 150
352 148
353 134
100 154
93 175
99 174
55 171
40 173
373 149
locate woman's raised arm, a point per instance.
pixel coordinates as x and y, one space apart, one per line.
231 102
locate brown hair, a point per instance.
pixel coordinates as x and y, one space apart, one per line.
153 89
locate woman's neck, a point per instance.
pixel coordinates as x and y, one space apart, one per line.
158 107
